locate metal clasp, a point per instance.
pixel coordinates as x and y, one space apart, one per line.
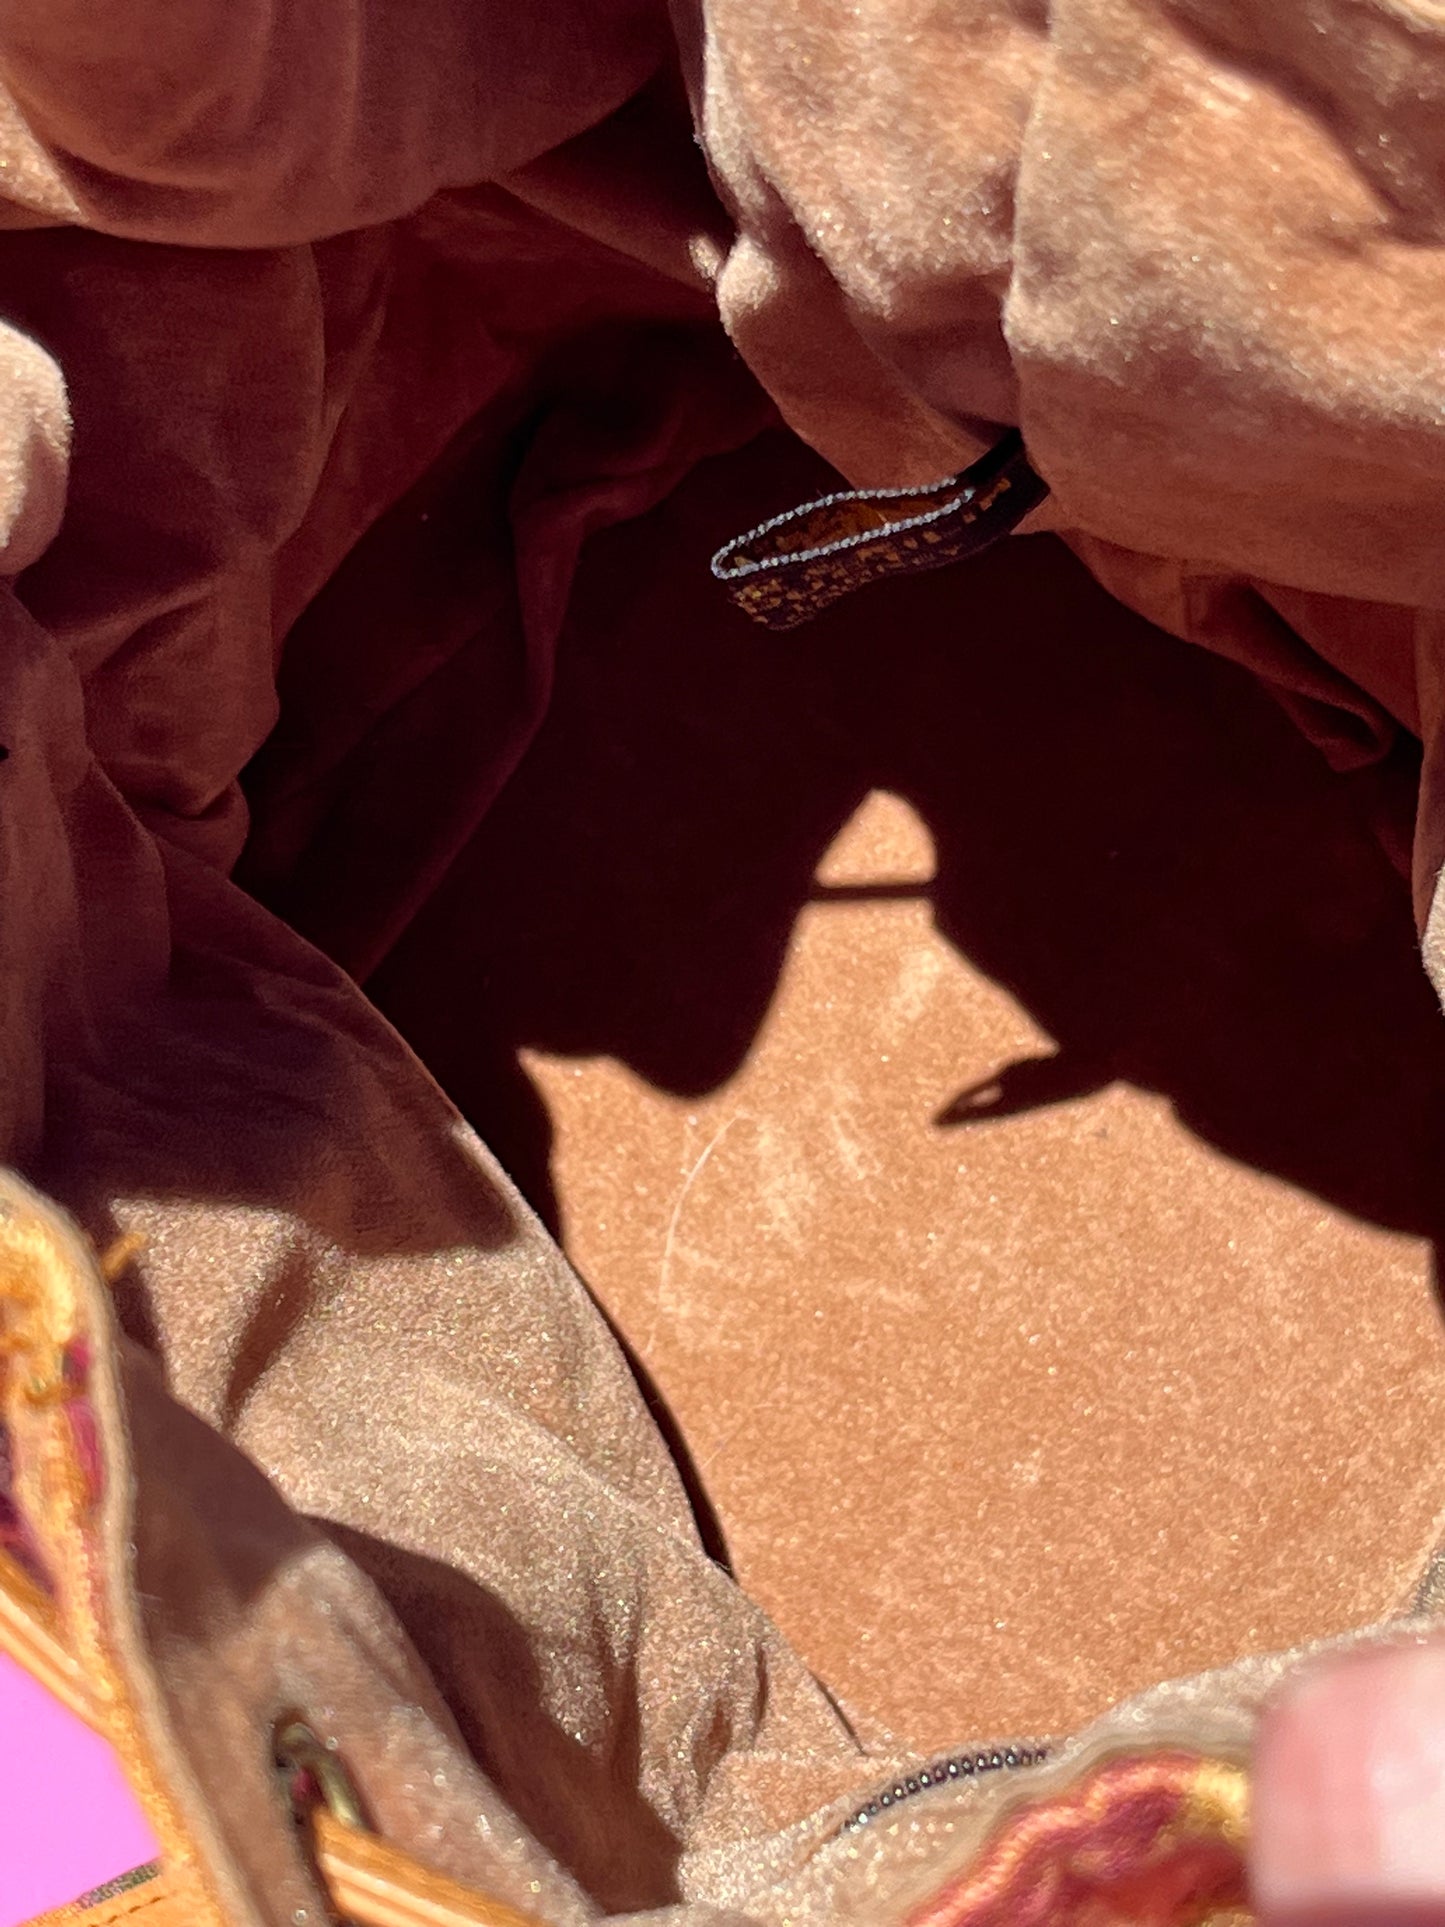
299 1752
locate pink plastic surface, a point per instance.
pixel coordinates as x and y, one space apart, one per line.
68 1821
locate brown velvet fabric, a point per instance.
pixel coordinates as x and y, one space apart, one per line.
325 348
1192 249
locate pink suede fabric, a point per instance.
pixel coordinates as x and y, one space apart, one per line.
68 1821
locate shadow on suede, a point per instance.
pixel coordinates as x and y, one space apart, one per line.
1131 838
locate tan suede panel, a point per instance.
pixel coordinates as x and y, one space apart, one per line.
995 1093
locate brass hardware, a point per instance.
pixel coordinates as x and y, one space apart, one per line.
298 1750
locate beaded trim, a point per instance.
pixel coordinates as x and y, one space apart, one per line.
960 1766
790 568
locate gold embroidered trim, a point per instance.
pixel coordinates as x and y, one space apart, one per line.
48 1282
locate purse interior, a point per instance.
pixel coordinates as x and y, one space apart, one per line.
978 1055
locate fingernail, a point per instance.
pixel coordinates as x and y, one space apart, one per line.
1348 1799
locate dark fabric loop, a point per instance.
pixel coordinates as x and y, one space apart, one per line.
789 569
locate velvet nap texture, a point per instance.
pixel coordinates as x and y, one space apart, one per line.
324 352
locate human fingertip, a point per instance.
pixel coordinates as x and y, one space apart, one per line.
1348 1793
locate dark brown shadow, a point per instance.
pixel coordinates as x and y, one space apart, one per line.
1131 837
